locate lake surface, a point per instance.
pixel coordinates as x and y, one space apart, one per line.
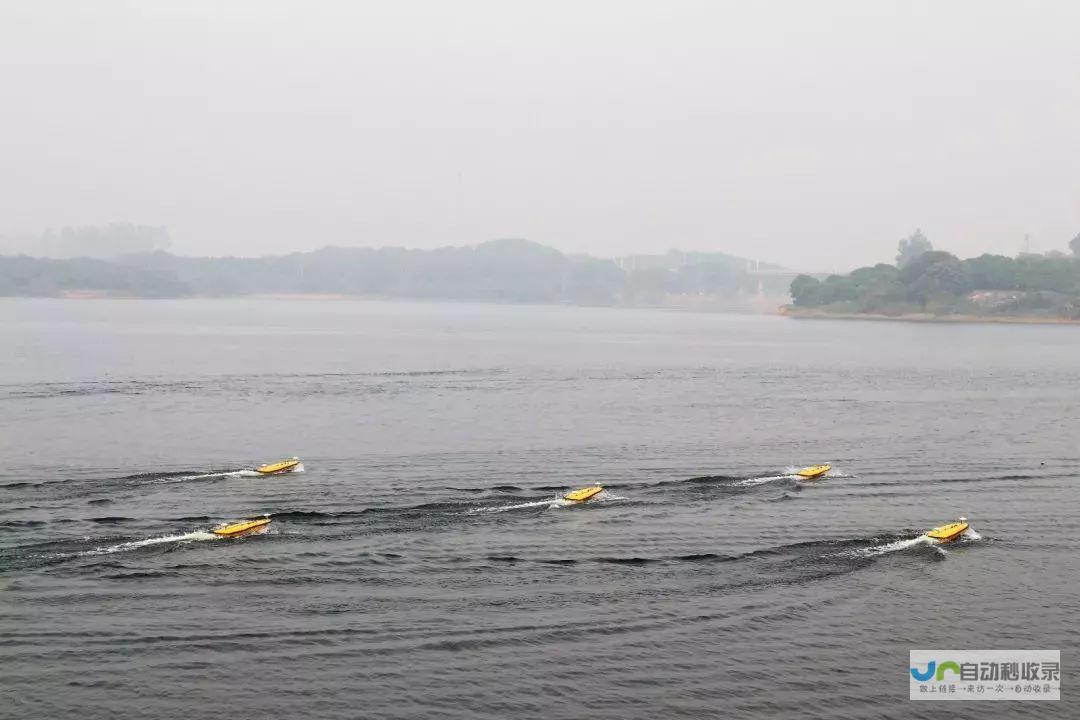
421 566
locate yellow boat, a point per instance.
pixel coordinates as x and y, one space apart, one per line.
583 494
947 533
282 466
241 526
814 471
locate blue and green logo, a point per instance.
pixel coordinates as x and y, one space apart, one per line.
934 671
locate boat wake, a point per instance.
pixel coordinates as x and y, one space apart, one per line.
920 541
246 472
173 478
896 546
518 506
196 536
767 479
231 473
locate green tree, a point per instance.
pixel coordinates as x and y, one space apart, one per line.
990 272
933 275
806 291
1074 245
879 287
1035 272
913 270
912 247
839 288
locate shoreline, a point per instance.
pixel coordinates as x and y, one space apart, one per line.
813 314
771 306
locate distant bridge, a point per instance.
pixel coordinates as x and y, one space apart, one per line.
785 274
779 277
755 269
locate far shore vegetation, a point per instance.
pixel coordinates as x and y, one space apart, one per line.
131 261
927 283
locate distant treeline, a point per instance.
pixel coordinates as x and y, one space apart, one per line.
928 281
502 270
103 242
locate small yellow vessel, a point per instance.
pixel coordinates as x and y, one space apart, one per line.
814 471
282 466
583 494
241 526
947 533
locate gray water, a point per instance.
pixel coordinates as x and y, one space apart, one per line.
421 567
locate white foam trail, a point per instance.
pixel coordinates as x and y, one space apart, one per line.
969 534
205 476
226 474
231 473
895 546
761 480
195 536
519 506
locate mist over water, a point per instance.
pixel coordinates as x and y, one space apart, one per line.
424 564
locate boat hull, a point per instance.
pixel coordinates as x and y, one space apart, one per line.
948 533
242 528
279 467
583 494
814 471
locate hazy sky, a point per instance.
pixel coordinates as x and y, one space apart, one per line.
813 133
